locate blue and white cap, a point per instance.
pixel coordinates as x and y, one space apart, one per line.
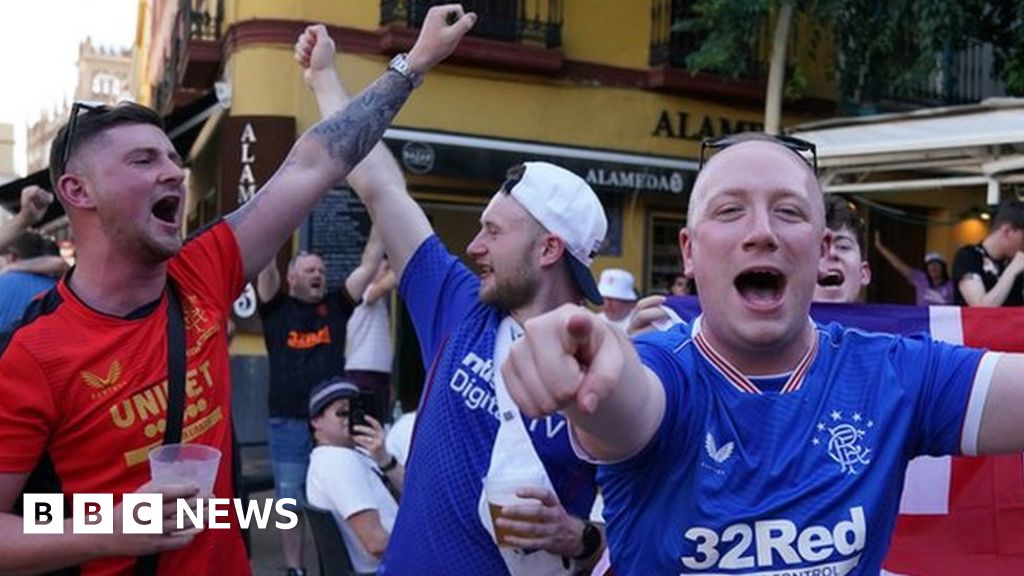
324 393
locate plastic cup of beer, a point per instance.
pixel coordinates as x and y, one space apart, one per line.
185 464
500 490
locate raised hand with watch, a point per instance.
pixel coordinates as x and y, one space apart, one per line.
442 28
400 65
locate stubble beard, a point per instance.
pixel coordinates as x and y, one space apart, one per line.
140 241
513 292
162 251
156 249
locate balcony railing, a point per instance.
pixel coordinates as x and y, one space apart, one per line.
196 22
670 45
958 78
205 19
528 21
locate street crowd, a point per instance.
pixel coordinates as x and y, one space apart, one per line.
568 424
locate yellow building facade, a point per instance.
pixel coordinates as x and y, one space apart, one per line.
587 84
591 100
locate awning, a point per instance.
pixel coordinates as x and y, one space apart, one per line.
979 145
183 125
481 158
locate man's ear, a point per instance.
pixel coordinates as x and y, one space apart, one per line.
551 249
74 192
865 273
827 238
686 249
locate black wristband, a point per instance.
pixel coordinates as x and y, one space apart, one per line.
390 465
591 541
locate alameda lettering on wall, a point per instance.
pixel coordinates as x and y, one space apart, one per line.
638 180
246 180
245 305
251 148
679 126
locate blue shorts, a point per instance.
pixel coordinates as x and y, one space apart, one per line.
290 445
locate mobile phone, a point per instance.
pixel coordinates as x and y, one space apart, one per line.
359 407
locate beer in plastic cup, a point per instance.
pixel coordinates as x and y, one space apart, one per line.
185 464
500 490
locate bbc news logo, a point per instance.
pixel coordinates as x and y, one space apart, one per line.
142 513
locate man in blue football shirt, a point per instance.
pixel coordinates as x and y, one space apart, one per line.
33 266
537 239
752 440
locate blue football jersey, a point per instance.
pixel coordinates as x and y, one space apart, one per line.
803 479
438 530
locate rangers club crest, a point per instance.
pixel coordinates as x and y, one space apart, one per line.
845 440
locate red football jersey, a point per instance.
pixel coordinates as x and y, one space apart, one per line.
89 392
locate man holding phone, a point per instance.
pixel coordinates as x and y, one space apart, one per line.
304 330
363 405
351 474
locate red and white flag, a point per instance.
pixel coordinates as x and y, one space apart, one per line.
962 515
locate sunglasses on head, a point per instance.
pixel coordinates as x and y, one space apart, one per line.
77 109
796 145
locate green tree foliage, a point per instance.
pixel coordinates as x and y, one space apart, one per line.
881 46
1002 24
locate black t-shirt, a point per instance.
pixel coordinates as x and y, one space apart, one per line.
305 345
975 260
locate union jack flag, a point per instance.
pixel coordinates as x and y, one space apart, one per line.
958 515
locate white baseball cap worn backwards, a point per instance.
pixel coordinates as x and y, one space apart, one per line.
568 208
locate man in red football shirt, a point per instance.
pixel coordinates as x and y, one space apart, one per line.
84 383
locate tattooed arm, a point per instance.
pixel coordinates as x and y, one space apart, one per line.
328 151
377 180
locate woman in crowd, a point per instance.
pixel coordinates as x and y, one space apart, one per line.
932 286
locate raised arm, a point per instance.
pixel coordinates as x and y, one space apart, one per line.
268 282
329 150
382 287
570 360
34 203
378 179
892 258
52 266
361 277
973 289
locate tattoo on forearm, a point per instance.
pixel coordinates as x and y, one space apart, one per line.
240 214
351 133
348 134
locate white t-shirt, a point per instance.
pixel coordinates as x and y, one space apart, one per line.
368 338
400 436
620 324
345 482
